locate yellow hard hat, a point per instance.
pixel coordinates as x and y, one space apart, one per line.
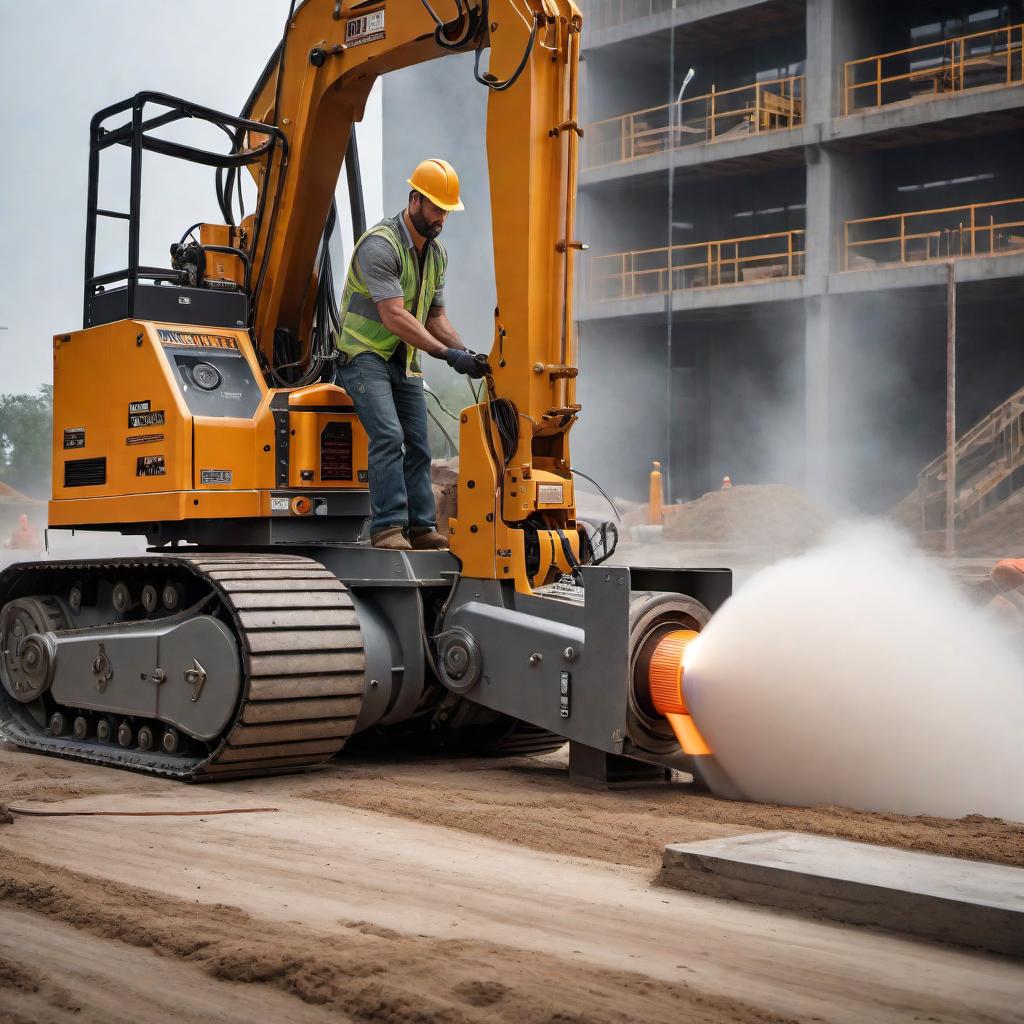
437 180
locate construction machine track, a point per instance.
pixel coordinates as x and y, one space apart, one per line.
299 643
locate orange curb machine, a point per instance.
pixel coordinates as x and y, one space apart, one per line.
197 408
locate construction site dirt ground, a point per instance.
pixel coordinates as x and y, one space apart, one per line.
400 889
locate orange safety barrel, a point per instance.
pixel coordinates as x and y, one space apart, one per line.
665 681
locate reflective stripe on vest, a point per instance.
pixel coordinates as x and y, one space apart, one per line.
361 327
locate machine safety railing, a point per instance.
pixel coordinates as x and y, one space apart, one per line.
956 232
716 264
990 59
720 114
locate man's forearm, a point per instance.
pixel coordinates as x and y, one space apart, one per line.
405 326
441 328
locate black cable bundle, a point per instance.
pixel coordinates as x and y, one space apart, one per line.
506 419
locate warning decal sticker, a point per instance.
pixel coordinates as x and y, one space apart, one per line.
150 465
366 29
145 419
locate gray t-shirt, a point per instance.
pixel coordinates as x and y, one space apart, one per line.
381 271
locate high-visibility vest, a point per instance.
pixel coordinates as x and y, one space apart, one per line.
361 327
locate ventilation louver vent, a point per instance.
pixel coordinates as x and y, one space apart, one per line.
85 472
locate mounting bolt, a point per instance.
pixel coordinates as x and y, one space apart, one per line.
536 658
569 654
374 683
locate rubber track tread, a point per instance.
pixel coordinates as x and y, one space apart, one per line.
303 667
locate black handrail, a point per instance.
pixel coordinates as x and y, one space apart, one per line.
136 135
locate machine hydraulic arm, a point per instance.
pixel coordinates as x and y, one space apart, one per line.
514 446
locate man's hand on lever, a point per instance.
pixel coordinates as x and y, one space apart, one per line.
472 364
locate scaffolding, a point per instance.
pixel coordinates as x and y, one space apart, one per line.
715 264
720 114
990 59
956 232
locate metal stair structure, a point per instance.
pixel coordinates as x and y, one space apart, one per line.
990 469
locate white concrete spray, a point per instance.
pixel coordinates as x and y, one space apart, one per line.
859 675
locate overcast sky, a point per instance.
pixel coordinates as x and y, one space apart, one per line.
60 62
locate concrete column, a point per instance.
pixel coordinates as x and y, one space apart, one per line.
821 80
818 349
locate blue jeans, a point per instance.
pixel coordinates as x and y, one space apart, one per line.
393 409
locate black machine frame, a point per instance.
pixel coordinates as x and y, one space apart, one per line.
143 293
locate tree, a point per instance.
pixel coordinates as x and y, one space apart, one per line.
25 433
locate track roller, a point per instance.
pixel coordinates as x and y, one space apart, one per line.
170 742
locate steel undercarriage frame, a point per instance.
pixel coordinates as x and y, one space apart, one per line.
564 667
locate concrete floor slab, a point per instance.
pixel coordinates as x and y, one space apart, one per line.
967 903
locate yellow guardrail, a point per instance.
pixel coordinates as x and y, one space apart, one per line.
717 115
984 59
980 229
716 264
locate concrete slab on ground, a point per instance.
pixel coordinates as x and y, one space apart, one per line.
967 903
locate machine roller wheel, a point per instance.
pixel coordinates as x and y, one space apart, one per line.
81 728
145 738
170 742
58 724
125 734
104 730
121 598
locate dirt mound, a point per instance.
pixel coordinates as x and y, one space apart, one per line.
9 496
530 802
444 478
762 515
6 818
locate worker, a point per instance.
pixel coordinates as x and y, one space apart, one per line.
393 309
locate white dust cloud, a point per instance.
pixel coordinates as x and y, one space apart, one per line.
859 675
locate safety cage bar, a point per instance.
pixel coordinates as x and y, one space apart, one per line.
136 134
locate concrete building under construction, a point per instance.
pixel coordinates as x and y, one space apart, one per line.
769 240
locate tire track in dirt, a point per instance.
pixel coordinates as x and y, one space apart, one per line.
363 974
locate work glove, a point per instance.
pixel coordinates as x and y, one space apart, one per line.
472 364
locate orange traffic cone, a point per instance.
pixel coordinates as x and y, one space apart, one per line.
24 537
656 502
726 482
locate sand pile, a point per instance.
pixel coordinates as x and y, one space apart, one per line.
9 496
762 515
444 478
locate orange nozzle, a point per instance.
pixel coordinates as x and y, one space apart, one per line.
665 679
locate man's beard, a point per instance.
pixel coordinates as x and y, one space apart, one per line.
423 226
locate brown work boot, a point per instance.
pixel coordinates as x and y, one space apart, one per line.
391 539
426 538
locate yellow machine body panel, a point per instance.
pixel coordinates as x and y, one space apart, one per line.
156 423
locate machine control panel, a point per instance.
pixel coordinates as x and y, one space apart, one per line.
214 381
